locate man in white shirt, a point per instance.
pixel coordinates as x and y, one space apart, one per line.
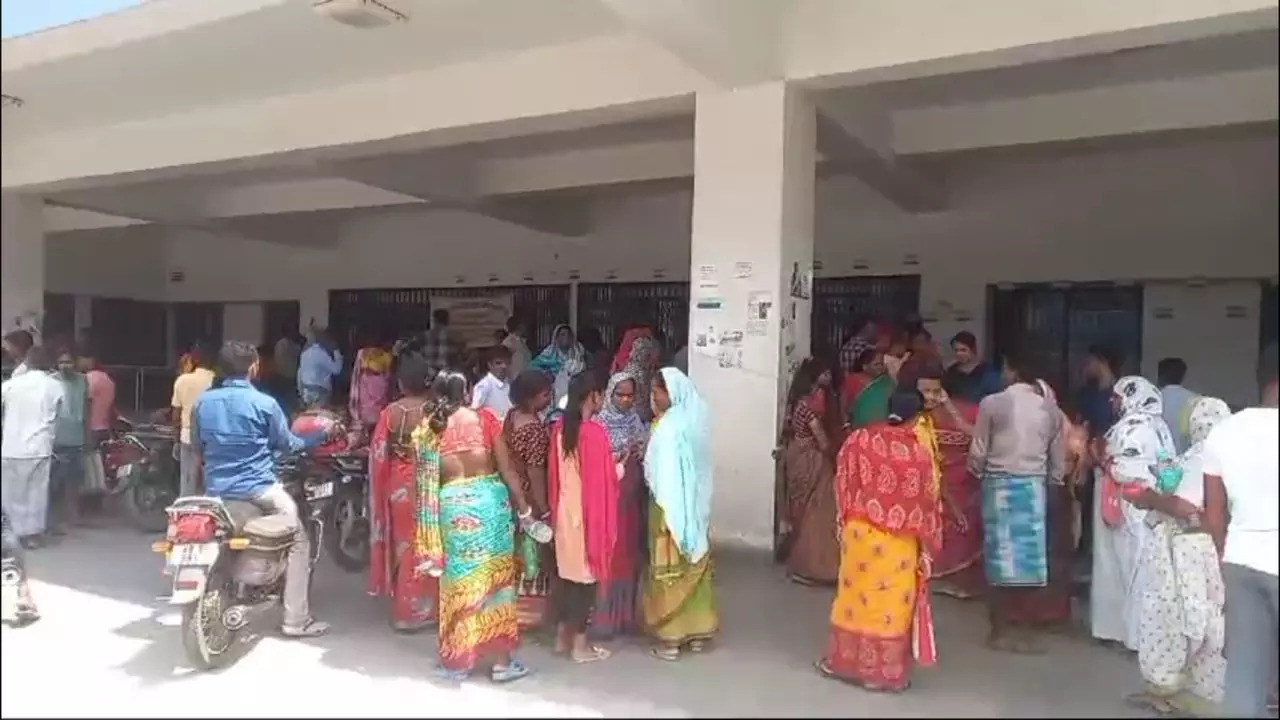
31 403
16 345
1170 374
1242 479
494 390
514 341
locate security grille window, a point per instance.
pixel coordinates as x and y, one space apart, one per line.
838 301
1053 327
392 313
613 307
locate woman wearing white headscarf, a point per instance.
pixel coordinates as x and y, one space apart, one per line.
1182 627
1138 442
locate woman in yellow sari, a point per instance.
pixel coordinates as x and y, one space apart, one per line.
888 494
678 601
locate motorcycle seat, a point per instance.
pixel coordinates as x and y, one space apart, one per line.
270 527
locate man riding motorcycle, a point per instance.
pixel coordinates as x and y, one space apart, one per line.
237 429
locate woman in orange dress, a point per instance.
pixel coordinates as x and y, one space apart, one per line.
582 488
889 503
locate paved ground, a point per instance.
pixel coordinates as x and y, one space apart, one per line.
106 648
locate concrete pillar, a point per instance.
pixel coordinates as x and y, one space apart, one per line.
753 209
21 261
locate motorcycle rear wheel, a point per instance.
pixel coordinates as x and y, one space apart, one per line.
349 545
208 644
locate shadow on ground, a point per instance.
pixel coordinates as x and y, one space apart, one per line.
772 631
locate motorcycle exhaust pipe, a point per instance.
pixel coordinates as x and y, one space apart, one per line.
237 617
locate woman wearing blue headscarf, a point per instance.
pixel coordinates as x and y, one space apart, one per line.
678 601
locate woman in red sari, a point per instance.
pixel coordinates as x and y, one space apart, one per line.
393 505
889 505
583 492
948 424
810 437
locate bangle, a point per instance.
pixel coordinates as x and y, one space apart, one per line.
526 514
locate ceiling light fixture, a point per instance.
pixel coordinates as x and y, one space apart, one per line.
359 13
11 101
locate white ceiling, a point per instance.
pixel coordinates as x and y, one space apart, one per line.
285 48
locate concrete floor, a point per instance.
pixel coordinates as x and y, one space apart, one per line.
106 648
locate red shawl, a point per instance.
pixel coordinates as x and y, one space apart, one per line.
599 492
885 476
623 355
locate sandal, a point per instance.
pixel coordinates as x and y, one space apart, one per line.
1147 701
416 626
310 629
665 653
445 673
24 614
827 672
594 654
513 670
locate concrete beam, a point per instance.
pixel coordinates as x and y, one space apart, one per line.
447 179
848 146
914 38
731 42
148 216
1237 98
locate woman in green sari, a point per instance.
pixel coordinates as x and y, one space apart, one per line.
678 601
868 399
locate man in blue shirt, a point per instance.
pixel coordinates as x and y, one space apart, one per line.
318 365
237 430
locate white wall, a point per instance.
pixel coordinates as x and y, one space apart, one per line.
1200 210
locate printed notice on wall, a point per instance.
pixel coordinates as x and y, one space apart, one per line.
759 308
708 278
705 340
743 269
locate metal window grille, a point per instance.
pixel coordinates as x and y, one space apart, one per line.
611 308
838 301
392 313
1053 327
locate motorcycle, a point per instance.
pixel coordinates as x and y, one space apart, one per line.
141 467
228 563
349 526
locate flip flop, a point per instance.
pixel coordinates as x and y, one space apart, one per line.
310 629
596 655
1146 701
510 672
451 675
665 654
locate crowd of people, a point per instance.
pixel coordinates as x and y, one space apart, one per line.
568 492
901 477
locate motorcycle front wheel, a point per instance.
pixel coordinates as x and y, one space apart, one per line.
145 502
347 540
207 642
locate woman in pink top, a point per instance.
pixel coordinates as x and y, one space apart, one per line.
583 494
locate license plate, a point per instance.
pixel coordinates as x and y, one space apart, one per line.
196 554
320 491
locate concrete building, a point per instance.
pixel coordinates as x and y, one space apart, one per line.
1042 174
